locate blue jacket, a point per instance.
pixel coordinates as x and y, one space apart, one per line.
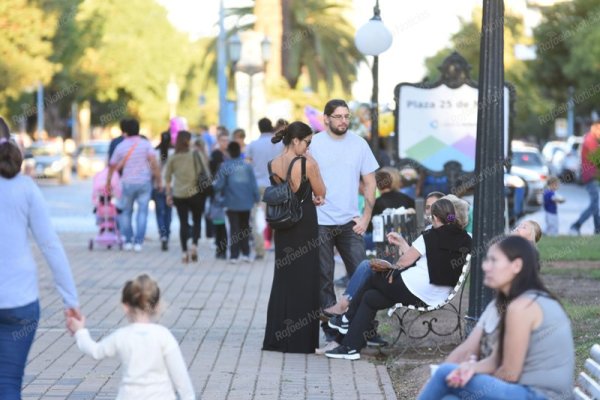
236 180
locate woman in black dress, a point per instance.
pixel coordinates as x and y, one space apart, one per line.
293 313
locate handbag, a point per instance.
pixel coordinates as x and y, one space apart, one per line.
205 184
284 209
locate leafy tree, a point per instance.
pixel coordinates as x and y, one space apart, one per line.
529 102
568 53
25 45
131 53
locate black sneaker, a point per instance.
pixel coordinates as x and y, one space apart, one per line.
340 323
377 341
164 245
344 353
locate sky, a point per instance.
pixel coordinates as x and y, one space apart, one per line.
419 30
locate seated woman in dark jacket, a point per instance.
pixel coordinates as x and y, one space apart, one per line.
423 276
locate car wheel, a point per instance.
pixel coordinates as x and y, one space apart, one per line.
567 176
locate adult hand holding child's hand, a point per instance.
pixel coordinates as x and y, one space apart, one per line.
75 323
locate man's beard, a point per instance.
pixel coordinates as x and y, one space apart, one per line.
337 131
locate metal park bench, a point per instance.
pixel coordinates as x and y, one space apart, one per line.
589 380
408 315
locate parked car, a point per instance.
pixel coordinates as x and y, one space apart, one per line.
91 158
564 158
571 166
50 161
527 163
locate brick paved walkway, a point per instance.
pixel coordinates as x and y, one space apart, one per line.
216 311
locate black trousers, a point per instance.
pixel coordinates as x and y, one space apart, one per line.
376 294
240 232
185 205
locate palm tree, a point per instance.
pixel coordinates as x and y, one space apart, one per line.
317 37
309 35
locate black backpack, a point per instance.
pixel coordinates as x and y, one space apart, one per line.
284 208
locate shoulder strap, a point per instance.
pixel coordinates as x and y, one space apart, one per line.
131 149
269 168
289 172
303 172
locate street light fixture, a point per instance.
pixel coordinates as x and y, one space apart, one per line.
372 39
247 61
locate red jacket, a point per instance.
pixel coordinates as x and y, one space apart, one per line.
589 170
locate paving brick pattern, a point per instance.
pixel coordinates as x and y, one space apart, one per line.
216 311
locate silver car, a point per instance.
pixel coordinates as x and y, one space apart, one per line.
527 163
50 161
91 157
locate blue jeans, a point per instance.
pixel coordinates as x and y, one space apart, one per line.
592 210
140 194
362 274
480 387
163 214
17 330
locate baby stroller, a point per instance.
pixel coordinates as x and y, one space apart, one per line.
106 211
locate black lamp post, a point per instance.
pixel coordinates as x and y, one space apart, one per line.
372 39
488 210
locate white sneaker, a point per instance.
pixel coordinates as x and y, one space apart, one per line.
127 247
137 247
233 261
246 259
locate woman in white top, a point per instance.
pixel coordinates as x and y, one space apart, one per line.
151 359
424 275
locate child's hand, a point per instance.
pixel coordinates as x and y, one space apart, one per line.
74 324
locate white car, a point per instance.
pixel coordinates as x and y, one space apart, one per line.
527 163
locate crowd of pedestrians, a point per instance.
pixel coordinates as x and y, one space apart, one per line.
218 181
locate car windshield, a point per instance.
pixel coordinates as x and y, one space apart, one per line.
526 159
95 149
45 150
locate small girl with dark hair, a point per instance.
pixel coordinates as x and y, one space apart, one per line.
150 355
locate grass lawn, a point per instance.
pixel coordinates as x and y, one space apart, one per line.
585 319
570 248
585 322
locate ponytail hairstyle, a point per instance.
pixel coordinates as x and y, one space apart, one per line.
444 210
141 294
528 278
295 130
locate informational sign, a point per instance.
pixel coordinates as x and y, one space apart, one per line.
560 127
439 124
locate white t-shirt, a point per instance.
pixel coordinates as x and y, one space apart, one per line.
416 279
342 162
151 361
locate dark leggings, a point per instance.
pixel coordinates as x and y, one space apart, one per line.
376 294
239 225
195 205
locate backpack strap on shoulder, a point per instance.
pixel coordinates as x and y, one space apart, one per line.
289 172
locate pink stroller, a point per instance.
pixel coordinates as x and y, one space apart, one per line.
106 211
